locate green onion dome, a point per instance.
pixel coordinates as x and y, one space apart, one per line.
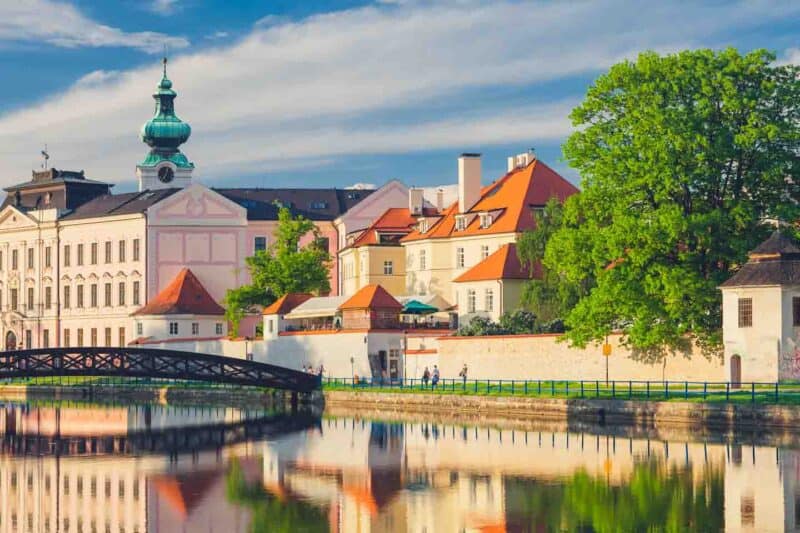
165 132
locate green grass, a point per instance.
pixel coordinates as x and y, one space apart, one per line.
788 394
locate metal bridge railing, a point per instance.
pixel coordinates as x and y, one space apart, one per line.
719 391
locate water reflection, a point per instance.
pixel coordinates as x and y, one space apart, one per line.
165 469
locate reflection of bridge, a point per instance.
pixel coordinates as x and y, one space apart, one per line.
151 363
168 441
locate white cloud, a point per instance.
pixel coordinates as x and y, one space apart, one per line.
164 7
217 35
791 56
314 88
62 24
361 186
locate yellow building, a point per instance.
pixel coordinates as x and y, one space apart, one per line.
447 245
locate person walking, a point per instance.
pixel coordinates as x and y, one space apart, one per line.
426 375
463 375
435 378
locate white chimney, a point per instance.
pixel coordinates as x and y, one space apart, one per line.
469 181
415 201
439 199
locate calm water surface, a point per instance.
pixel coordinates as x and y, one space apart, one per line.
127 469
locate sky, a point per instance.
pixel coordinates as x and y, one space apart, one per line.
320 94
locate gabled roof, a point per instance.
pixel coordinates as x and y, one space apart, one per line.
286 303
371 296
395 221
502 264
119 204
509 200
313 204
185 295
776 261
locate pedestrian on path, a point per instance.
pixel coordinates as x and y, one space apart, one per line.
463 375
435 379
426 376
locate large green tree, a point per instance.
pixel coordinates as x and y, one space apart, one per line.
282 268
683 158
551 295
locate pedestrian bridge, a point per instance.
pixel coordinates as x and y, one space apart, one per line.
124 362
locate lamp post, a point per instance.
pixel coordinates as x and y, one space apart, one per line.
352 372
405 357
606 354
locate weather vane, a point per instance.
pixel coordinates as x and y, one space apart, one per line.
45 157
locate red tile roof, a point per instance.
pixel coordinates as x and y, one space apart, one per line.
503 264
185 295
371 296
509 199
396 221
286 303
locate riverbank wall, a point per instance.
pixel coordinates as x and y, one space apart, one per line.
713 416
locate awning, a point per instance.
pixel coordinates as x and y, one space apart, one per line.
415 307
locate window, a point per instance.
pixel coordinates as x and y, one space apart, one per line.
459 257
324 243
259 244
471 301
486 220
135 249
108 337
66 255
745 312
484 251
121 333
218 328
79 259
94 336
79 295
45 338
80 337
28 339
489 300
796 311
422 260
66 338
388 268
135 293
139 329
461 223
195 328
48 297
1 260
423 226
48 256
30 258
173 328
29 303
121 294
66 296
108 252
93 254
121 251
107 294
14 259
14 299
93 295
270 325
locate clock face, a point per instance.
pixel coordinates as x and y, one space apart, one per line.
165 174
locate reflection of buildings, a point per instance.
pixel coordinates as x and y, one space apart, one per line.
432 477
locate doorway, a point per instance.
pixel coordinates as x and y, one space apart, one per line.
736 371
11 341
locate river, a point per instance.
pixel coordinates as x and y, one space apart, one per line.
93 468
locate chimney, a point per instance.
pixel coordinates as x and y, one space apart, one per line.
415 201
512 164
439 199
469 181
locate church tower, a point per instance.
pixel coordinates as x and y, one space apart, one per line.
165 166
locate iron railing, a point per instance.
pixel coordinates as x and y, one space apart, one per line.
754 392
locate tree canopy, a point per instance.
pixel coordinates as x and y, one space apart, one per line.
282 268
683 159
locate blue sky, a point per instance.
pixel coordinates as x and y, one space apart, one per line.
287 93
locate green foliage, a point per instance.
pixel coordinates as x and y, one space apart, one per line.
519 322
269 513
282 268
552 295
682 158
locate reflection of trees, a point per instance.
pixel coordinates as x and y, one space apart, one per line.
269 513
655 498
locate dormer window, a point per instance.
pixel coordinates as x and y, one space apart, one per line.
423 226
486 220
461 223
319 205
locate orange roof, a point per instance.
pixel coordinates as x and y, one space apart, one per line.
185 295
371 296
286 303
395 221
509 199
503 264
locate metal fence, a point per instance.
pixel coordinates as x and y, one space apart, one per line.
755 392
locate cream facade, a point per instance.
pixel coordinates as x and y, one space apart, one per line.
376 264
